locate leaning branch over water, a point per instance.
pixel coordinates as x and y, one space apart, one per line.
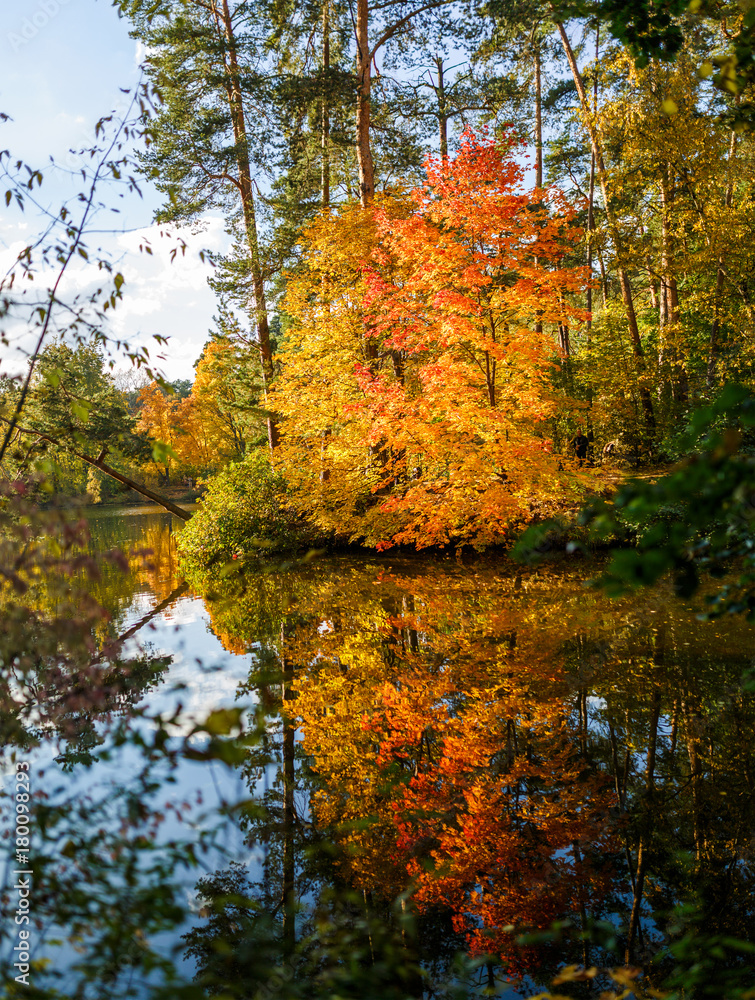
100 464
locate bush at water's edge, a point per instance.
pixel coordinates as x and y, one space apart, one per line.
242 515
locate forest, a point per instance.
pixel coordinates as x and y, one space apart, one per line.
475 260
444 595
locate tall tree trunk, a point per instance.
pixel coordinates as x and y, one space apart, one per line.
325 175
325 137
590 231
713 348
442 109
364 88
693 722
564 341
670 314
669 288
582 905
538 120
236 105
654 290
538 147
614 232
591 195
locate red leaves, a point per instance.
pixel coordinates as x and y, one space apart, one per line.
488 821
455 295
418 369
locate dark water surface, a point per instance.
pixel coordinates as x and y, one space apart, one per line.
473 758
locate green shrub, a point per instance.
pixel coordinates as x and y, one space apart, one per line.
242 515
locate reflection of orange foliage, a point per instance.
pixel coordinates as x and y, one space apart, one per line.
441 733
230 642
496 802
160 566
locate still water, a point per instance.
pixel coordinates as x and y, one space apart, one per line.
465 776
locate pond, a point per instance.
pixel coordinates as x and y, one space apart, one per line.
383 776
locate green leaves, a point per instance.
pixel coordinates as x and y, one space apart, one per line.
698 517
222 721
162 452
218 724
53 376
80 408
243 517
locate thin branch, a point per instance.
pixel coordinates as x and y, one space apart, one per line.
53 293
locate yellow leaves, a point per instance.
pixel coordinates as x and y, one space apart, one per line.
412 377
189 431
575 974
623 976
551 996
438 725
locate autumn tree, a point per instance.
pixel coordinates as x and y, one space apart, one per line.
317 396
440 382
158 417
460 297
687 178
227 391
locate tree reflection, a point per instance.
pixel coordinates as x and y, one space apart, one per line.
62 664
503 751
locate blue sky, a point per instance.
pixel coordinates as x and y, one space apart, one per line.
64 63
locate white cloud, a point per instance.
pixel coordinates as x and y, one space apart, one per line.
162 295
9 254
47 89
168 295
141 51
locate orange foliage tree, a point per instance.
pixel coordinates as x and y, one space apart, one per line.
210 426
182 425
421 352
462 297
158 417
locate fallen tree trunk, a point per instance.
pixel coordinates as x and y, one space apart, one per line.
100 464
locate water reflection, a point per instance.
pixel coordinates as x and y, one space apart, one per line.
514 751
449 758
